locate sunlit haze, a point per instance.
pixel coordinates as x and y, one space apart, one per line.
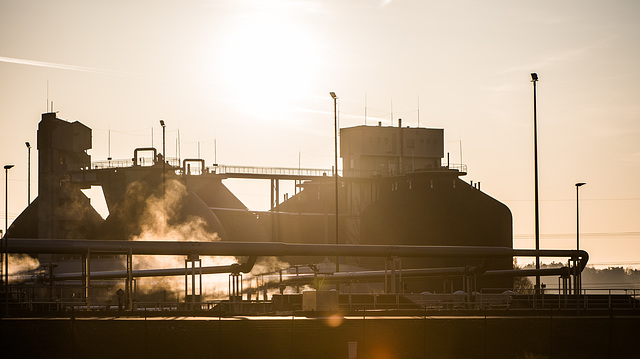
248 82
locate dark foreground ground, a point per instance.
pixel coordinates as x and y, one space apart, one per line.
543 335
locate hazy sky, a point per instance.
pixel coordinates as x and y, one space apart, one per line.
255 76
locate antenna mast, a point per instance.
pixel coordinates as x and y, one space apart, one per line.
365 108
418 110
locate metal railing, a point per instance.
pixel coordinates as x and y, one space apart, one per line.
456 166
68 298
256 170
123 163
312 172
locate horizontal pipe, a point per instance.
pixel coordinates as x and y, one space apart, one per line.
162 272
119 274
79 246
583 255
424 272
376 274
562 271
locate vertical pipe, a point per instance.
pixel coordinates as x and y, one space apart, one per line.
193 282
88 279
393 276
129 282
386 277
83 265
186 280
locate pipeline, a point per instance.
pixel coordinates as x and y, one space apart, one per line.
36 246
374 275
235 268
363 276
562 271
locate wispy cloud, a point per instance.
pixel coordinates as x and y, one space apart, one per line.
53 65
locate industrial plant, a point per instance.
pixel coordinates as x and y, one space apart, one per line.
397 232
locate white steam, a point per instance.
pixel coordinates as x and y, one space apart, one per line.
21 266
157 225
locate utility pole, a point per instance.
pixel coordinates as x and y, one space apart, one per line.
534 79
335 171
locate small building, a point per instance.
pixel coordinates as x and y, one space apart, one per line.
368 151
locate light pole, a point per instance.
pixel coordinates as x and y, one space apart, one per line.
578 185
577 277
534 79
6 222
335 171
28 172
164 159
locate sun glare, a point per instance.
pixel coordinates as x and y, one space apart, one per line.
266 60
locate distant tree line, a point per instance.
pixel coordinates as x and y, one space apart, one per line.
611 277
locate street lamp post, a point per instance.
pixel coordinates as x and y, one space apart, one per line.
164 157
578 185
578 284
6 222
534 79
335 171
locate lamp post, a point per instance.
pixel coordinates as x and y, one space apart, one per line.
164 158
6 222
578 185
577 277
28 172
335 171
534 79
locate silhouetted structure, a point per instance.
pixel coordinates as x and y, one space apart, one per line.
394 191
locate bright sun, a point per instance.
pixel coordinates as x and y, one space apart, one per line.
267 59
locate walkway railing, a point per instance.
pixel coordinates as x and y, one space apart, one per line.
254 170
312 172
120 163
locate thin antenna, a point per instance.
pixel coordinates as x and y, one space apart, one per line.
51 106
198 149
179 146
461 162
365 108
418 110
